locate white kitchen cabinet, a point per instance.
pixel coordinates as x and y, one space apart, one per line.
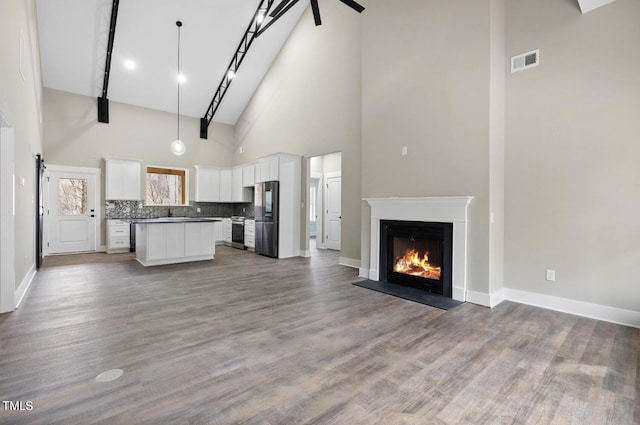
168 243
226 224
239 192
207 183
249 175
289 176
123 179
117 236
268 168
198 239
220 232
250 234
226 177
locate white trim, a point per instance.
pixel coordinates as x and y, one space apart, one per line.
485 299
580 308
363 272
305 253
25 285
7 215
445 209
480 298
349 262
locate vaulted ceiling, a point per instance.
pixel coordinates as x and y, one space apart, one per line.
74 36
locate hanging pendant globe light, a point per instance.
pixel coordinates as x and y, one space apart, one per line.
177 146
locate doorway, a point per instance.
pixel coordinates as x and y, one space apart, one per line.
325 194
71 209
7 217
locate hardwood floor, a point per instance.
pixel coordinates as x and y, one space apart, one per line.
245 339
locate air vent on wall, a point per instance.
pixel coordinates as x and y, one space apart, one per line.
525 61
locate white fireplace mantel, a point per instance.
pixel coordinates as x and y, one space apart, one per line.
442 209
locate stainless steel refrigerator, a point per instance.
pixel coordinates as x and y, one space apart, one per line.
266 205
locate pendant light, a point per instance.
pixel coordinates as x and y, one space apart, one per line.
177 146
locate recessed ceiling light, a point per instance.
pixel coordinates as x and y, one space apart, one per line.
130 65
182 78
260 17
231 74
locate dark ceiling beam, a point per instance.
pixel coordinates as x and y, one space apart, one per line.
103 101
247 39
257 26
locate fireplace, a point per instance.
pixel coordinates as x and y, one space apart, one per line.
417 254
446 209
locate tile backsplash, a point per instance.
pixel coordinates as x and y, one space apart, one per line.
138 209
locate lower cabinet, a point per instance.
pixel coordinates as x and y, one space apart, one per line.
167 243
117 236
198 239
226 224
250 234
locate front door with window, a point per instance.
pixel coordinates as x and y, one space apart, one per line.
71 211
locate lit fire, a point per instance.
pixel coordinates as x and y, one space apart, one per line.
412 264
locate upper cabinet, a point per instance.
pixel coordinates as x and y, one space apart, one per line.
207 184
268 168
123 179
249 175
214 184
240 193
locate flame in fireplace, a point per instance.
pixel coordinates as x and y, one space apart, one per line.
412 264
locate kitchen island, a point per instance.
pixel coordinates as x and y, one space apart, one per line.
169 240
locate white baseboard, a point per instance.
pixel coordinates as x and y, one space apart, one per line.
349 262
480 298
25 284
305 253
580 308
363 272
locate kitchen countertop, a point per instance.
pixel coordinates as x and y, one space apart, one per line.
173 220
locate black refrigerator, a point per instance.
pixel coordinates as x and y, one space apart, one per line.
266 204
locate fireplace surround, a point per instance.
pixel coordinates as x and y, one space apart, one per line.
448 209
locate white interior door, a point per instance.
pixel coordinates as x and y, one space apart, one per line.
71 210
333 210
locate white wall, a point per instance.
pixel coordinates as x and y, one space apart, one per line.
572 173
20 104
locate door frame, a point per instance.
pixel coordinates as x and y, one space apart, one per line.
7 216
97 172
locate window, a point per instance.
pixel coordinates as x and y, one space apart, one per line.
166 186
72 196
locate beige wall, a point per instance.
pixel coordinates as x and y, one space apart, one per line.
425 79
73 135
309 104
572 173
20 104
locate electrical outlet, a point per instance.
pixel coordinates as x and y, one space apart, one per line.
404 150
198 209
550 275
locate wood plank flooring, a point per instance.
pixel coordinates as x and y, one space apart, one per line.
245 339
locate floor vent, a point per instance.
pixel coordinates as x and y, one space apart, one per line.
525 61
